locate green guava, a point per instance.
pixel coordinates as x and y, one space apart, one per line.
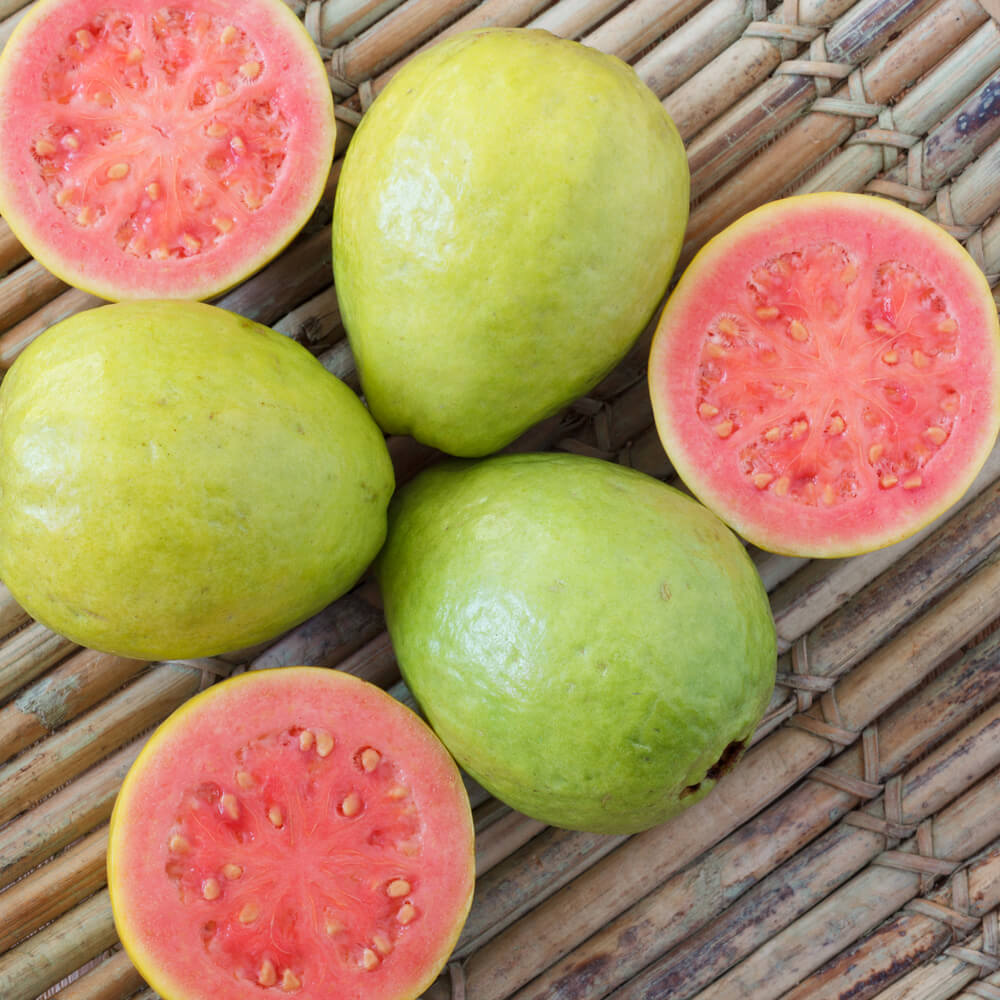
593 646
177 481
508 216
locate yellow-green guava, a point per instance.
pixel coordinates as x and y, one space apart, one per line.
508 216
593 646
177 481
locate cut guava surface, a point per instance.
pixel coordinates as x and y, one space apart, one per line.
826 374
161 149
294 832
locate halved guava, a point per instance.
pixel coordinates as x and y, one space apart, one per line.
294 832
161 148
826 374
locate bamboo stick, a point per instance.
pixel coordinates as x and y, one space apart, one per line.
502 838
944 979
957 832
968 130
63 817
327 638
115 978
16 338
77 684
374 662
711 31
12 253
53 889
25 290
388 41
914 52
822 586
58 949
969 199
694 898
342 20
930 100
911 938
12 615
802 882
316 324
862 30
101 731
29 653
639 24
301 272
508 890
11 7
608 888
10 23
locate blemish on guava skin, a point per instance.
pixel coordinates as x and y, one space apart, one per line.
665 592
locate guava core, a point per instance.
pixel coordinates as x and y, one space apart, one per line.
593 646
508 216
176 480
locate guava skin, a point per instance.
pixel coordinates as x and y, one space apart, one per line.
587 641
178 481
508 216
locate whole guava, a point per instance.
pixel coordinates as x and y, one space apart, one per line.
593 646
177 481
508 216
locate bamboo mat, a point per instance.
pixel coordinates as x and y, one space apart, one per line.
855 851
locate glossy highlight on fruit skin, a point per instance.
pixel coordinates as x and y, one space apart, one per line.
826 374
291 832
593 646
509 213
177 480
161 151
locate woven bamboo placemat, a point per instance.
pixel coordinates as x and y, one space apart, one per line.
855 851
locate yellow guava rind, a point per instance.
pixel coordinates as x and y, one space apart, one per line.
714 277
109 273
508 216
587 641
343 702
178 481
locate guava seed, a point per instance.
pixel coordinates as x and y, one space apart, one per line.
268 974
397 887
324 742
211 888
179 844
249 913
406 913
369 759
351 805
231 871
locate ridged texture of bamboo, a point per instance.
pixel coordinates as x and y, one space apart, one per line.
855 850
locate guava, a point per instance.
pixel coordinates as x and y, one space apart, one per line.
826 374
176 481
152 150
508 215
291 832
593 646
